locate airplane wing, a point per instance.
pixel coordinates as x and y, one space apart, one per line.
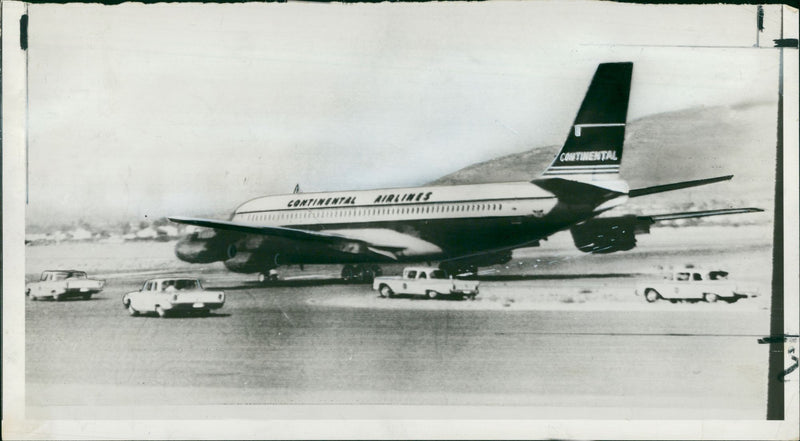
347 244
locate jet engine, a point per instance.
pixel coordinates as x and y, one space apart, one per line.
204 247
608 235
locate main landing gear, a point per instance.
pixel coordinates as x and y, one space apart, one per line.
360 273
270 276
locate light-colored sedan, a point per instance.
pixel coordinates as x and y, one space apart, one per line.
692 284
172 294
62 284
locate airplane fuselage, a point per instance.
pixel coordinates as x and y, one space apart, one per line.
419 223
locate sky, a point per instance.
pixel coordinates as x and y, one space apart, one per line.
142 111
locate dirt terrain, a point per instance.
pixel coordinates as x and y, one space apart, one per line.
554 334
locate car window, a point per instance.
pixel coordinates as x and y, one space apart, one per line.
412 274
185 284
438 274
146 286
58 276
422 275
45 276
682 276
696 276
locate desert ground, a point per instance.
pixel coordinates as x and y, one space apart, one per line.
553 334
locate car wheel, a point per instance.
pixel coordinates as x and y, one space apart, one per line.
386 292
710 297
431 294
651 295
132 311
160 311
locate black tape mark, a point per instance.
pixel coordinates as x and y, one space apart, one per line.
23 32
790 369
777 338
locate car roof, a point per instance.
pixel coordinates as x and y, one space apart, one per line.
64 271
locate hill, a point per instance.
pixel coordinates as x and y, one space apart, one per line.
669 147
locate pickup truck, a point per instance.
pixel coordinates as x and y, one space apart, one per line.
61 284
430 282
172 294
693 284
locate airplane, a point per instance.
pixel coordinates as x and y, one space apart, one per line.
463 227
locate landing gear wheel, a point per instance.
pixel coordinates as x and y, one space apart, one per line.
365 273
160 311
132 311
651 295
710 297
386 292
348 273
267 277
431 294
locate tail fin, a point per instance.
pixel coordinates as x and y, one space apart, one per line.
593 149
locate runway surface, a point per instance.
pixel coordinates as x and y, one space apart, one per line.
536 346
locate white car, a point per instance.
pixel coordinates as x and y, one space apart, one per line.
692 284
430 282
172 294
61 284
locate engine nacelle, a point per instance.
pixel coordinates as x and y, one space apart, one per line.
608 235
202 247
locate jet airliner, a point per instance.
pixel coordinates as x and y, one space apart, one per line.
462 227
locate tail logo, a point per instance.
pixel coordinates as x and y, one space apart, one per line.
601 155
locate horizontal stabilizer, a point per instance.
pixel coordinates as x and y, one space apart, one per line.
676 186
693 214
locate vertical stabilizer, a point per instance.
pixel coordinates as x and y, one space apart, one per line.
593 149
